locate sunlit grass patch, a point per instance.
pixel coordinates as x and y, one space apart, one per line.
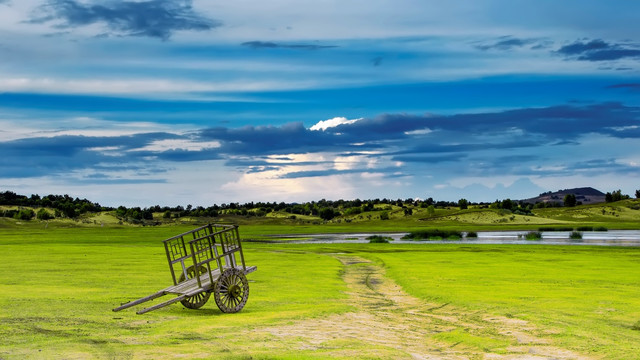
456 337
588 295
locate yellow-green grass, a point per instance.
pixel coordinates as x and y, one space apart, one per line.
59 285
589 297
621 212
58 288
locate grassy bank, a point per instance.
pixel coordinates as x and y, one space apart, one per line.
59 285
588 296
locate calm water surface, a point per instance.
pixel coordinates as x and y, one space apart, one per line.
601 238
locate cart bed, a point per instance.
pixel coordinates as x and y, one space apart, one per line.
190 287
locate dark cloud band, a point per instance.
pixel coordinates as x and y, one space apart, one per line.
599 50
154 18
394 137
272 45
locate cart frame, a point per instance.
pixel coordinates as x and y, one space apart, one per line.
204 261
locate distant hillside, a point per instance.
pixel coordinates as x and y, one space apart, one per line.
585 195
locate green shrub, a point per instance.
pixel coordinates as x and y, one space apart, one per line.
353 211
600 228
636 326
575 235
434 235
379 239
533 235
24 214
551 228
43 214
472 234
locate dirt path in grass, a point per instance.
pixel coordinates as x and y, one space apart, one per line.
390 323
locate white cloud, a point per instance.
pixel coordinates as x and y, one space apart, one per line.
419 132
78 126
179 144
336 121
267 186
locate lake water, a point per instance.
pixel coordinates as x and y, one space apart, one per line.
601 238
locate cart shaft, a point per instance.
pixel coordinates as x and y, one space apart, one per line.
158 306
140 301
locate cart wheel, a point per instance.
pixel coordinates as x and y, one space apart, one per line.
231 291
198 300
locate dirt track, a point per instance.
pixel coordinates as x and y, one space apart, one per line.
402 326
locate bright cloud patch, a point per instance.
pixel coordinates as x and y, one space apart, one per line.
180 144
331 123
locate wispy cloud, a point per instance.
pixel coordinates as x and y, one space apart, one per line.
272 45
153 18
506 43
377 61
599 50
633 87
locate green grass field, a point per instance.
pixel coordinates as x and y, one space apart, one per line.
59 284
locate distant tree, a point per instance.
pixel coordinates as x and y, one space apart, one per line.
463 204
431 210
327 213
608 197
43 214
570 200
384 215
615 196
408 212
427 202
638 194
507 204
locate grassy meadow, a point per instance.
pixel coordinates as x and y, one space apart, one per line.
59 281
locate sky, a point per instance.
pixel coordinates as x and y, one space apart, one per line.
176 102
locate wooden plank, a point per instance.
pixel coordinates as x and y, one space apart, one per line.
158 306
250 269
141 300
191 284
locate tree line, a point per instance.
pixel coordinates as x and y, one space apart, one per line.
65 206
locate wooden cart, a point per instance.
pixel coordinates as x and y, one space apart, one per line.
204 261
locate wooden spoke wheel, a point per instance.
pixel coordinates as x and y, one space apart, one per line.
198 300
231 291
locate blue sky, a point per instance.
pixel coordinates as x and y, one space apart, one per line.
176 102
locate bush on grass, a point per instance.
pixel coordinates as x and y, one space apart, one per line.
575 235
433 235
533 235
551 228
373 239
